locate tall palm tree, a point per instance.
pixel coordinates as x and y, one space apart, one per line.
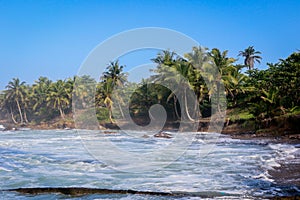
114 77
224 67
184 69
198 59
16 94
9 105
107 92
235 84
172 69
166 57
115 73
58 97
83 90
40 89
250 56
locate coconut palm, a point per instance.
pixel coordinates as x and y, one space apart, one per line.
198 57
172 69
115 73
83 90
183 71
40 89
250 57
166 57
15 96
9 106
222 68
113 78
58 97
235 83
200 60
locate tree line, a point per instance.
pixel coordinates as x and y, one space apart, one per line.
262 93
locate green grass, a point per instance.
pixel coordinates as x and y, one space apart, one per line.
240 114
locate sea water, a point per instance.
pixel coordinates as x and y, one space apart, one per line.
58 158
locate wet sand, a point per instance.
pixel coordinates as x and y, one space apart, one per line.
287 174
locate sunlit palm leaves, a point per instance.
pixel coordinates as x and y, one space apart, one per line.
15 97
251 56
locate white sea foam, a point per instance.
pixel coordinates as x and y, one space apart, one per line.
58 158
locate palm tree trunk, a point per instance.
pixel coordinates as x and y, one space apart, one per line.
62 114
175 107
12 116
20 111
218 98
25 116
199 100
121 111
186 107
110 115
251 63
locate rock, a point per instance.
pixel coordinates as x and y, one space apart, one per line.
163 135
2 128
109 132
294 137
101 127
145 136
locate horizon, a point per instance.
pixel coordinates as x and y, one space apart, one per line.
52 39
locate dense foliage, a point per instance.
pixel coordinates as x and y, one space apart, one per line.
263 93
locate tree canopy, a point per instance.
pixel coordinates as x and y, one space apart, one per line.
265 93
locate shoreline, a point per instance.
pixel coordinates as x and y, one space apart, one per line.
235 130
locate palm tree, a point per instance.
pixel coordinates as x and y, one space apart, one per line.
82 90
198 57
107 90
58 97
224 67
15 95
184 69
199 60
166 57
112 78
8 105
115 73
40 89
250 56
235 84
172 70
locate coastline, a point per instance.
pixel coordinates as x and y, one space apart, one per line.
239 129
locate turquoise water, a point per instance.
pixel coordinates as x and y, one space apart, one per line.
57 158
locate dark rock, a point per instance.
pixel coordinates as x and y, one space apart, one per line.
109 132
163 135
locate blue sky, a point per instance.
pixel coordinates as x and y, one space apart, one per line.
52 38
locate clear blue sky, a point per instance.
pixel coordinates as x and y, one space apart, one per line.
52 38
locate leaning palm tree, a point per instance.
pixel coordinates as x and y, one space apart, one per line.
16 93
9 105
250 56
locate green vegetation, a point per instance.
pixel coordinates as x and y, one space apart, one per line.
238 113
250 94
